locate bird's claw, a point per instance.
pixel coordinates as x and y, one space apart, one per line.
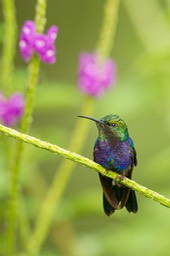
118 178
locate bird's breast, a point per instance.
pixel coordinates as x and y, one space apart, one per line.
114 155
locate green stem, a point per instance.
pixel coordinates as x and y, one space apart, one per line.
24 227
34 68
7 61
40 17
59 184
85 162
9 43
106 38
147 33
33 78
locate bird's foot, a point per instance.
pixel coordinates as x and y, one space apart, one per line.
118 178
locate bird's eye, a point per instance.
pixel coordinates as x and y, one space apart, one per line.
113 125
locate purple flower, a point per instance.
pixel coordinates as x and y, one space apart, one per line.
95 77
42 44
49 55
27 39
11 109
44 47
52 33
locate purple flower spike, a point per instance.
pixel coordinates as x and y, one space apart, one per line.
17 104
28 29
25 49
94 77
11 109
42 44
45 48
26 40
49 55
52 34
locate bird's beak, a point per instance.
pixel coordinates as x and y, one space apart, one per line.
91 118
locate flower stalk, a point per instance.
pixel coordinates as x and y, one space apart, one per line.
108 30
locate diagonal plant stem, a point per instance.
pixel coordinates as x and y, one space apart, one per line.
74 157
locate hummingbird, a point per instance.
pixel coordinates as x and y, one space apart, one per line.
115 151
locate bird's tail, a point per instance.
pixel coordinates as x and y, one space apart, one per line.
132 205
117 196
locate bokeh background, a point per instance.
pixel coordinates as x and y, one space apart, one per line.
141 97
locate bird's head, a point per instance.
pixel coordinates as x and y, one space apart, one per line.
111 126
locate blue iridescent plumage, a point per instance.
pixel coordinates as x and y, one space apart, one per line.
114 155
114 150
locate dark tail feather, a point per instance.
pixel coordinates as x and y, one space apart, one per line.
110 194
108 209
116 197
132 205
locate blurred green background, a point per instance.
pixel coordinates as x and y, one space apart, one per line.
141 97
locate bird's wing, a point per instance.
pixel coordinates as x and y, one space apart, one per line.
133 151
